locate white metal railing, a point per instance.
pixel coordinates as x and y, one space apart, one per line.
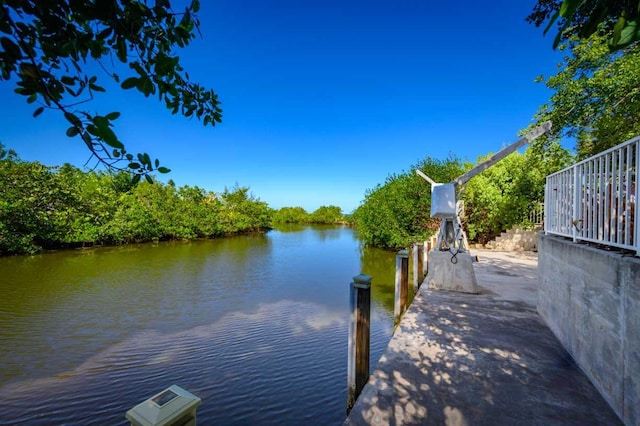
595 199
536 214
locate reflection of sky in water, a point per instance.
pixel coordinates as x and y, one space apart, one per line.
105 329
292 347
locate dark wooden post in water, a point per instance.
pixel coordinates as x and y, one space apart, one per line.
418 266
358 364
402 284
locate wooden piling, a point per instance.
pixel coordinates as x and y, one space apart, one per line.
402 284
359 326
418 266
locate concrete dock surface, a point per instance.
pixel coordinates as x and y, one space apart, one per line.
487 359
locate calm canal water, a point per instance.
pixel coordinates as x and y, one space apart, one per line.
256 326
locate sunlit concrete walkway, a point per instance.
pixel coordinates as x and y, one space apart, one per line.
487 359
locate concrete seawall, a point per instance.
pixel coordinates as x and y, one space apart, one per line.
484 359
590 298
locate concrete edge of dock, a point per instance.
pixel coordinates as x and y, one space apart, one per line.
464 359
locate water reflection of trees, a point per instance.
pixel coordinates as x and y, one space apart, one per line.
289 227
327 232
102 295
381 266
320 232
150 274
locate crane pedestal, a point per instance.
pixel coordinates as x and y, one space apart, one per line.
444 274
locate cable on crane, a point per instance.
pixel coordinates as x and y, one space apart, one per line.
454 258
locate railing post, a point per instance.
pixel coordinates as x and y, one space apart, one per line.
418 266
547 203
358 362
402 284
636 220
577 195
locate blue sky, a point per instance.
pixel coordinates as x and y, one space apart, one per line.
323 99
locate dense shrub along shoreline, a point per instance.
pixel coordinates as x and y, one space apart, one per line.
44 208
397 213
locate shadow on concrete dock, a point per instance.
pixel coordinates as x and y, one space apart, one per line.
487 359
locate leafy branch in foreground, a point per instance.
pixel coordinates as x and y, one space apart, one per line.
583 18
45 46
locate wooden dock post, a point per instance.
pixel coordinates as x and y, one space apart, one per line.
402 284
358 363
418 266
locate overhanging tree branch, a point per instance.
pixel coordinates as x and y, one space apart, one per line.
42 42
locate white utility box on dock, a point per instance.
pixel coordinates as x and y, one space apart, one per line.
173 406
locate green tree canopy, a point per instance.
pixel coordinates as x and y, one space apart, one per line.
396 213
327 214
503 195
46 48
291 215
45 207
596 97
582 18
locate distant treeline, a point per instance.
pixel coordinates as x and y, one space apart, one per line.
324 214
44 207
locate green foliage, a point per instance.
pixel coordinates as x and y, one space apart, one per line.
46 207
324 214
596 96
92 204
327 215
583 18
30 206
46 48
200 212
241 210
291 215
395 214
503 195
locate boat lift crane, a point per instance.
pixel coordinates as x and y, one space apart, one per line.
451 236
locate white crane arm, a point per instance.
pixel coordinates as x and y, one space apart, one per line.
425 177
534 134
